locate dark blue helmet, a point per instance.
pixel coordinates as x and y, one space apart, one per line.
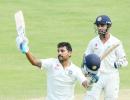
103 19
92 63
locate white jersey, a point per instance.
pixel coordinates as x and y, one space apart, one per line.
96 46
107 72
60 81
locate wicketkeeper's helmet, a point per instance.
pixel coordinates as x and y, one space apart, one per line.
103 19
91 64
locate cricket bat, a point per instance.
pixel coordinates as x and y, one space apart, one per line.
107 52
20 24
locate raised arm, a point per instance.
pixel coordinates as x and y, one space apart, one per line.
33 60
22 44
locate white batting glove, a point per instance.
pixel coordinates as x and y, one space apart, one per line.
117 64
22 44
122 62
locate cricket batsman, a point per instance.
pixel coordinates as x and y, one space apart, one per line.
62 74
90 67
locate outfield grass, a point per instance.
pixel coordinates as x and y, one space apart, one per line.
47 23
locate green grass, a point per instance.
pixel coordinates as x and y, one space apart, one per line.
47 23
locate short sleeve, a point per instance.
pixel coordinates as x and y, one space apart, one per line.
89 48
80 76
120 51
46 63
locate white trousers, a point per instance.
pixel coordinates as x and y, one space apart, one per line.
107 83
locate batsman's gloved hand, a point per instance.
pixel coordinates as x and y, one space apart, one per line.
22 44
93 78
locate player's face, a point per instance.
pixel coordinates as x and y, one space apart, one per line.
63 54
102 29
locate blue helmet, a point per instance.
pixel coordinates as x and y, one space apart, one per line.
103 19
92 63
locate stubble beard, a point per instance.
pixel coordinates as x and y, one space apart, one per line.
60 58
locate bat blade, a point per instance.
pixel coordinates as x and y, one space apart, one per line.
107 52
20 24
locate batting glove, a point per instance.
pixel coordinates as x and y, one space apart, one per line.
22 44
117 64
93 78
120 62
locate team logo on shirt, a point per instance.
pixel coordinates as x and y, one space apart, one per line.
70 72
96 46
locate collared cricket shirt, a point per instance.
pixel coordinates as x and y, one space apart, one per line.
60 81
96 46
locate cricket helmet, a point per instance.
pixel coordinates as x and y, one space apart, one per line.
103 19
92 63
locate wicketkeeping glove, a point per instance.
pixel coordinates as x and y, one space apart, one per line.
22 44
